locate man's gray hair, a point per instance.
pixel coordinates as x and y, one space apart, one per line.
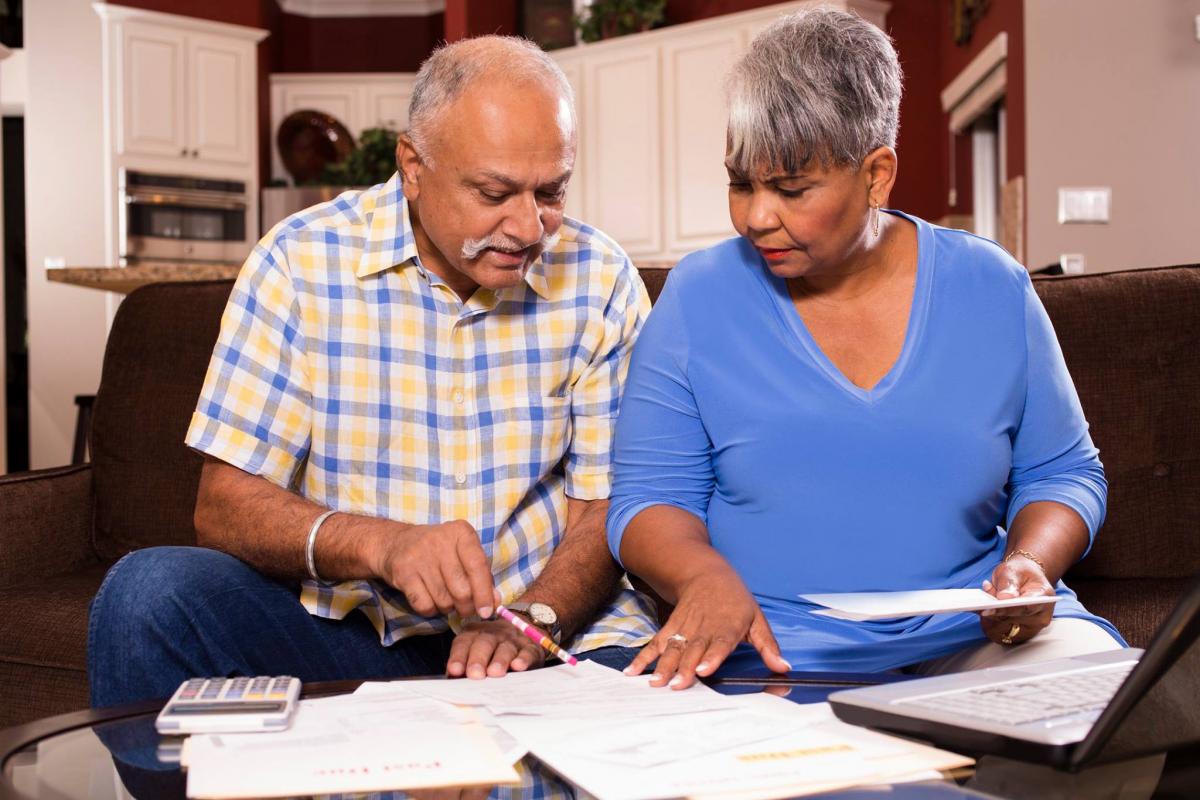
820 84
447 73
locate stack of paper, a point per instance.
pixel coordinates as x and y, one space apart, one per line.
756 746
613 736
344 744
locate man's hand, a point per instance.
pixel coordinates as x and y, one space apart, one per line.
440 568
1017 577
714 614
490 648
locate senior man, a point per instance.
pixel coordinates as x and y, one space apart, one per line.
407 417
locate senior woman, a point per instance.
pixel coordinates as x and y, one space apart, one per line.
846 398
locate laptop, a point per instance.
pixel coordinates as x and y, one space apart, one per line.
1069 713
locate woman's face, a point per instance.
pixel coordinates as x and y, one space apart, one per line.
809 223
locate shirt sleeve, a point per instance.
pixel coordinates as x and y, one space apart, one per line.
596 395
1053 455
663 455
254 410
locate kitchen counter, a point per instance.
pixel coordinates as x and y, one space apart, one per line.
124 280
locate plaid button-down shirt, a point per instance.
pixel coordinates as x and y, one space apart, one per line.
348 372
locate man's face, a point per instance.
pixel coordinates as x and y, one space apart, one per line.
489 194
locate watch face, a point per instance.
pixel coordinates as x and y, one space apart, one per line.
542 614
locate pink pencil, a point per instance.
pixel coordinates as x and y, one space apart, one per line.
539 637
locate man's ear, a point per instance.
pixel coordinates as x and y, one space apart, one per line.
879 169
410 165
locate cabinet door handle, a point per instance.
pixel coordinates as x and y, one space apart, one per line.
195 154
183 152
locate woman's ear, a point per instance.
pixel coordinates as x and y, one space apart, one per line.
879 171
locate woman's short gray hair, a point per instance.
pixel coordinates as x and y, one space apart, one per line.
821 84
447 73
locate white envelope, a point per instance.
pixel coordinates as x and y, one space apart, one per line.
864 606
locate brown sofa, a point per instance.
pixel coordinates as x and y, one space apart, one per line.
1131 339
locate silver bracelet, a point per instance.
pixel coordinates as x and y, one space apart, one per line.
310 548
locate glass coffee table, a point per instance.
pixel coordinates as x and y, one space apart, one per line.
115 754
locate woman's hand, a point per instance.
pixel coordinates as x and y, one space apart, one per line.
1017 577
714 614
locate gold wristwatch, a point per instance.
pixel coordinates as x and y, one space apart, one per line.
542 616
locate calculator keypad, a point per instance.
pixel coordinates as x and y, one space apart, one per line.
209 689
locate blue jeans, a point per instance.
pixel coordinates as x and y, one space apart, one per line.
166 614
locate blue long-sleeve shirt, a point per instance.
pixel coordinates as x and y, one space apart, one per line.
809 483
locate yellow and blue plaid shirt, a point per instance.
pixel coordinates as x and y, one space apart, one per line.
346 371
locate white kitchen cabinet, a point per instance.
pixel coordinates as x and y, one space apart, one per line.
180 88
152 91
387 104
573 68
696 209
221 124
622 185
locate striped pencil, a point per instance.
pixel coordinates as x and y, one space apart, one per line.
533 633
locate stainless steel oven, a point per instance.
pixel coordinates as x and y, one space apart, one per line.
179 219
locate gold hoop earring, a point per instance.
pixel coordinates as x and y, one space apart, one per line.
875 221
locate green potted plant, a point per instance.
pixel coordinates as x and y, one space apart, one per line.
372 162
604 19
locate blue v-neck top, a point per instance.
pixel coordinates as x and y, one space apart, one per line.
809 483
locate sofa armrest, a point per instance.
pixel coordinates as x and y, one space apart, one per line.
45 523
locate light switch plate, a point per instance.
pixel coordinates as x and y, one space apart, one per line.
1084 204
1071 263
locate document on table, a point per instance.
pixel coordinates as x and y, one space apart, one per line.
864 606
589 690
391 696
800 749
339 745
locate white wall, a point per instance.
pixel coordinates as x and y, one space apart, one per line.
64 185
1113 99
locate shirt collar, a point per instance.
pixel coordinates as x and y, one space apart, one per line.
391 243
390 240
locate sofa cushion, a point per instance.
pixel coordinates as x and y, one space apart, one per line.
45 620
145 478
1132 343
1136 606
43 645
654 278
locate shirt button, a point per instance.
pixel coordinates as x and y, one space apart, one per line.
458 396
460 479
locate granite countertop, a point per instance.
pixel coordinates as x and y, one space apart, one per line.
125 279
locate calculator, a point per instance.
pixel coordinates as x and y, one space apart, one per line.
230 705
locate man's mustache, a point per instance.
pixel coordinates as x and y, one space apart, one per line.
473 248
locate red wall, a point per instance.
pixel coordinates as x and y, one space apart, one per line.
1002 16
235 12
354 44
921 187
465 18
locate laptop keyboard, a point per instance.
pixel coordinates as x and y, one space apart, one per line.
1077 696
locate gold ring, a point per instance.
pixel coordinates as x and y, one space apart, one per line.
677 638
1012 633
